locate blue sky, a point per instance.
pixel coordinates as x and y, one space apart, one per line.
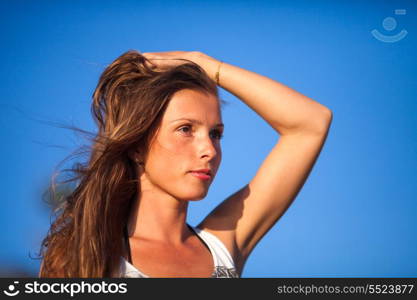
356 215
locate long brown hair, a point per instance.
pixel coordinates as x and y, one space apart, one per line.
87 237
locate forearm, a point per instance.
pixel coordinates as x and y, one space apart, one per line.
286 110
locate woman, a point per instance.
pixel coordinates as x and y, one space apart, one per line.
157 148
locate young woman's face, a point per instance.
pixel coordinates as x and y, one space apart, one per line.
188 139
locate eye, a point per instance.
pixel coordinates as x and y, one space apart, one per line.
185 127
218 134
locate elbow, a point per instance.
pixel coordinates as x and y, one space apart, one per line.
320 123
317 124
327 117
324 121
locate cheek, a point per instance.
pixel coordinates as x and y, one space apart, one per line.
168 159
172 149
167 170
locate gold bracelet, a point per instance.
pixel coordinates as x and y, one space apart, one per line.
218 73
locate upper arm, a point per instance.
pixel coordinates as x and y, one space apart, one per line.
243 218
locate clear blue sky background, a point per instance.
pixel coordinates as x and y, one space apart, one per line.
356 215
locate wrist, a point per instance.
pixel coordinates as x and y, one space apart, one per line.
209 64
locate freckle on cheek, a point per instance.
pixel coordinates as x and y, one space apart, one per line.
171 148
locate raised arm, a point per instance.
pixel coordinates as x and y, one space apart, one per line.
285 109
244 217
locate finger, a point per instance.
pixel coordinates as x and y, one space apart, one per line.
148 61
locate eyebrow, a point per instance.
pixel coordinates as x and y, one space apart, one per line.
197 122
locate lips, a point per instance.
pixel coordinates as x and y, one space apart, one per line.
204 171
201 175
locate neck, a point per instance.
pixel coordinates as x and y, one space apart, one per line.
158 217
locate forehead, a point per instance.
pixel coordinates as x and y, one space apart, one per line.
188 103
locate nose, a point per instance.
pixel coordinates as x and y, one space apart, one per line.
208 148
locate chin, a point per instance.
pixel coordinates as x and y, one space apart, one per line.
196 197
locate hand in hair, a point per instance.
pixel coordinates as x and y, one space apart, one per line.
175 58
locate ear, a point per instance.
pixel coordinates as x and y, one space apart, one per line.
134 155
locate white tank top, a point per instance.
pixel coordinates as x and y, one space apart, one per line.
224 266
